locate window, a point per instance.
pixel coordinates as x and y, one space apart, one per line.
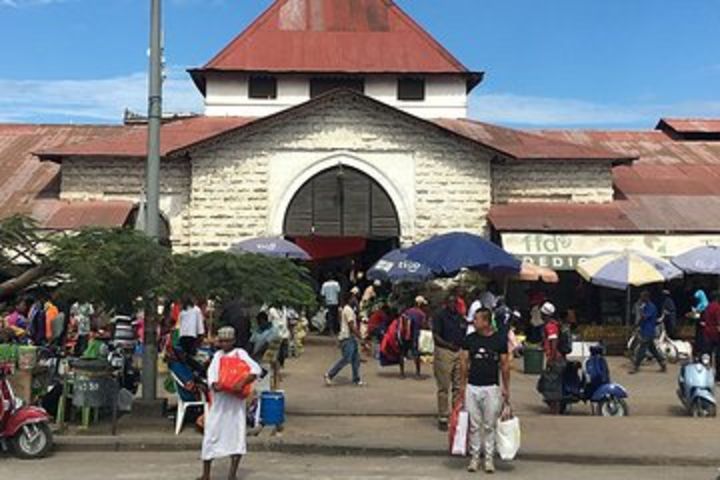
318 86
262 87
411 89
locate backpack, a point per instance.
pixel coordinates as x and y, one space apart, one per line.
565 341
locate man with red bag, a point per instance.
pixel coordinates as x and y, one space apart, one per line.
225 423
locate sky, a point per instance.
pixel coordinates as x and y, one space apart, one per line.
549 63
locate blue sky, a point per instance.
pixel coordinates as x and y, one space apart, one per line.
549 63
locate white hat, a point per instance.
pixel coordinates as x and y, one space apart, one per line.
226 333
377 283
355 290
420 300
547 309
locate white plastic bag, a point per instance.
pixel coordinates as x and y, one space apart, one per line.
426 344
319 319
460 435
507 435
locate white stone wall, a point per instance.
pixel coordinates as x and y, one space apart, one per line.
227 95
110 178
552 181
242 185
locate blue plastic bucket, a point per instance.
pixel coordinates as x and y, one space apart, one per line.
272 408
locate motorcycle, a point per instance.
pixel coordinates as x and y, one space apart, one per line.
592 384
696 387
673 350
24 428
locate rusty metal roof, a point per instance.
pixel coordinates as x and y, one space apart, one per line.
690 125
333 36
22 176
529 145
640 213
132 142
664 165
74 215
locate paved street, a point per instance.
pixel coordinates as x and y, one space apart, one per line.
651 393
179 466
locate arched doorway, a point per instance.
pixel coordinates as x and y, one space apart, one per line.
344 210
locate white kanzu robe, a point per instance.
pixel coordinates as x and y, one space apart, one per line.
225 422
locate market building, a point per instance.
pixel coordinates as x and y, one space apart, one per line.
354 138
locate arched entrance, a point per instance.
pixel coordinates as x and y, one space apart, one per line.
343 208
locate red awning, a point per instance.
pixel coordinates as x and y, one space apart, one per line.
323 248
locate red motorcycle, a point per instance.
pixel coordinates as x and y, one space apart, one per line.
24 428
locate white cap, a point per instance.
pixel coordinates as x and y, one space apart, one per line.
547 309
420 300
355 290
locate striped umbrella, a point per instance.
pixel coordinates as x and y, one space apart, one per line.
705 259
621 270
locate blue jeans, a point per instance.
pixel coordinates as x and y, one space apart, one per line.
351 356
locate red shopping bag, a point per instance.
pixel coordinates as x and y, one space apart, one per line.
232 371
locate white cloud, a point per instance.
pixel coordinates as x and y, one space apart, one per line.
550 112
94 99
27 3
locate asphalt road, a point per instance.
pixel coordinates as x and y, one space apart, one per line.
184 465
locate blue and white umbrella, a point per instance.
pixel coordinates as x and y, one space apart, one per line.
447 254
395 267
271 247
704 260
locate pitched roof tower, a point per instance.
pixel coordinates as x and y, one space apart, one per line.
335 36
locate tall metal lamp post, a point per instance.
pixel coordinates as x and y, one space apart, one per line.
152 189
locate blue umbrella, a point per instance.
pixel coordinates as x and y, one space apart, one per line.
272 247
395 268
704 260
447 254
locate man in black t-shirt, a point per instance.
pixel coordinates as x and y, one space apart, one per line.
484 357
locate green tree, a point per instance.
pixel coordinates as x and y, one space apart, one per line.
111 267
256 279
23 260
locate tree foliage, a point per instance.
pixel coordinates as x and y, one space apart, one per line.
255 279
111 267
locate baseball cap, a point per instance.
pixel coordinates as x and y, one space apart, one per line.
547 308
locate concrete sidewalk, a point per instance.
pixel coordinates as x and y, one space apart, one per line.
581 440
392 416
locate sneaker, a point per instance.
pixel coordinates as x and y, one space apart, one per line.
633 371
328 380
360 383
474 465
663 368
489 466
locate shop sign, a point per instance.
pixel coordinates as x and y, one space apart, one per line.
566 251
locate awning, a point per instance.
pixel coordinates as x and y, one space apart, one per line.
565 251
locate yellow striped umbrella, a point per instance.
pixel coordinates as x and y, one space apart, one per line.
624 269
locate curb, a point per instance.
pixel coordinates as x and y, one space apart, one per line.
115 444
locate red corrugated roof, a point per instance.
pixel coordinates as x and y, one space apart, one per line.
62 215
22 176
175 135
334 36
181 134
640 213
690 125
526 145
665 166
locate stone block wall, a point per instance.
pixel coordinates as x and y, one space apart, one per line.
110 178
552 181
238 182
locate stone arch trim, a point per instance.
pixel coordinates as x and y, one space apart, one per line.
277 218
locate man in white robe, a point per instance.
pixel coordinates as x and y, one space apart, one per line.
225 423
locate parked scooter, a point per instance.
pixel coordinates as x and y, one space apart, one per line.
593 385
696 387
24 428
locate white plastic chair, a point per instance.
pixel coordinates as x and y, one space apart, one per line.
182 405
